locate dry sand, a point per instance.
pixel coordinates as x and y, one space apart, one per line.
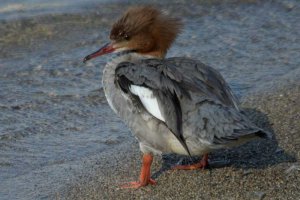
261 169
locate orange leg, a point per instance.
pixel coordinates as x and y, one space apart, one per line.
145 176
200 165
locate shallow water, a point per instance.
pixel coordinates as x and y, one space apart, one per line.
15 9
53 114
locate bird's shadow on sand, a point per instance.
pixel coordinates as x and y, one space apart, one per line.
256 154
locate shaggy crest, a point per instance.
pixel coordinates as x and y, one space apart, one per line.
150 22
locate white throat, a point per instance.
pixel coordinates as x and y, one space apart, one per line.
128 56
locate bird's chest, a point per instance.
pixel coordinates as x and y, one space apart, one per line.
120 102
137 119
146 128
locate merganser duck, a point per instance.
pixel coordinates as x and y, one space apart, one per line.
172 105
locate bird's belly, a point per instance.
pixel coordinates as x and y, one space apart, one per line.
195 146
176 147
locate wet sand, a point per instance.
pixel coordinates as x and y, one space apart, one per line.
260 169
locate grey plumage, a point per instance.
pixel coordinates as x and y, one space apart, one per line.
163 82
198 105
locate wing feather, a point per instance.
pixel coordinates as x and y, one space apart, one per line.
161 86
148 100
158 89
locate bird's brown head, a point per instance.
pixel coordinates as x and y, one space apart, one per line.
145 30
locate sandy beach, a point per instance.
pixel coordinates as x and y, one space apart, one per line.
258 170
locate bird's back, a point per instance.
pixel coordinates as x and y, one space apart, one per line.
205 81
211 116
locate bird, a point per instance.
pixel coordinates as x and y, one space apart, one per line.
171 105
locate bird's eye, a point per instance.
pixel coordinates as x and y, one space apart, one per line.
126 37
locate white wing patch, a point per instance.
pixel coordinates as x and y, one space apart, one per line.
148 100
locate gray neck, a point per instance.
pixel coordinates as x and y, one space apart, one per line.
113 94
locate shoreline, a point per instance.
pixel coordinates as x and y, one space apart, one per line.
59 137
260 169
